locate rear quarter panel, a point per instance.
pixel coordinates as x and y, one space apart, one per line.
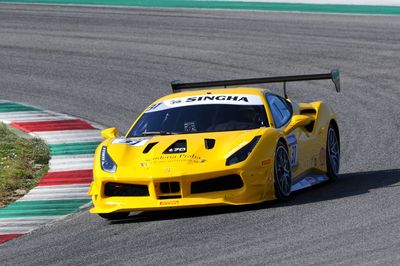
312 151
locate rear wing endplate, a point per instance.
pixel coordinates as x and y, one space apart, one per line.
334 75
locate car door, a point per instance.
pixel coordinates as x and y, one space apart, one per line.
282 112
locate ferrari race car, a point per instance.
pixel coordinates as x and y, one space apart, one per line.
205 145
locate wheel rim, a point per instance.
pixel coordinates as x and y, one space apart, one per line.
282 171
333 150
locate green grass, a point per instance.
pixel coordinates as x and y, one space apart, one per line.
23 161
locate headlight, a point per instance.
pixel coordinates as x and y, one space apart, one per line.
107 164
243 153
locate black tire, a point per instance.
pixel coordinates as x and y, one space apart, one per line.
282 172
114 215
332 153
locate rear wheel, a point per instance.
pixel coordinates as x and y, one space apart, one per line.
282 173
114 215
332 153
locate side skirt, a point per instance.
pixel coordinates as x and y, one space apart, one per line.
308 181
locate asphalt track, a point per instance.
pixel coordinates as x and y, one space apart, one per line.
107 64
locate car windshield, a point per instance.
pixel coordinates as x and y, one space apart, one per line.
199 118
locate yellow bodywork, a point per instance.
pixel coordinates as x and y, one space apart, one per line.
199 163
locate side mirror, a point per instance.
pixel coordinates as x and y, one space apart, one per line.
109 133
297 121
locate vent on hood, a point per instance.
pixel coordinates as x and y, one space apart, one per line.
149 147
209 143
179 146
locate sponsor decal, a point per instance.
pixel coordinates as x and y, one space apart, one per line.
312 180
308 181
314 161
131 142
169 203
172 102
266 162
241 145
235 99
177 158
177 150
322 157
190 126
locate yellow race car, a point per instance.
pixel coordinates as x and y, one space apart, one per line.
204 145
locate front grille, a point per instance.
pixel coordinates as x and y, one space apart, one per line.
169 187
125 190
217 184
170 197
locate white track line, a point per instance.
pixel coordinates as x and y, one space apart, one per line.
60 187
74 162
15 230
24 225
58 196
32 116
70 136
57 192
27 220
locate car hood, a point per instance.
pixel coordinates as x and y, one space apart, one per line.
182 153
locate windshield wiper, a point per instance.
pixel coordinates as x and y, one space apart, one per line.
152 133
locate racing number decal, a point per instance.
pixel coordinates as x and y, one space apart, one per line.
292 141
135 142
293 151
131 142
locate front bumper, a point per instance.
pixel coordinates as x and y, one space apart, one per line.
256 188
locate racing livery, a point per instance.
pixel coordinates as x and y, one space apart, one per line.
203 145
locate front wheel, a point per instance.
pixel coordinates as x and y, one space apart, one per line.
332 154
282 173
114 215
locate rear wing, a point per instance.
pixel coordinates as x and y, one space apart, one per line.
334 75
